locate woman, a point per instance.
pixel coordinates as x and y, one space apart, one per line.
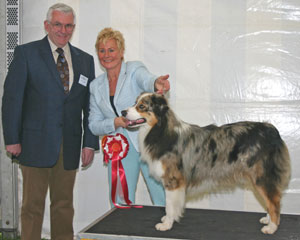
114 91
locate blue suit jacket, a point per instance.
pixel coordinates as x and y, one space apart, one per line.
134 78
37 114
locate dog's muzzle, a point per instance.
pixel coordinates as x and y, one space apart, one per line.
132 123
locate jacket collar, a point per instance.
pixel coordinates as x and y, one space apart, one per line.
47 55
103 87
121 80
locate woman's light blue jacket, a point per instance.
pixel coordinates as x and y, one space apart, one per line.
134 78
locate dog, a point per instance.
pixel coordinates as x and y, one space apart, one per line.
188 158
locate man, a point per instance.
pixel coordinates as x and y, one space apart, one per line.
46 93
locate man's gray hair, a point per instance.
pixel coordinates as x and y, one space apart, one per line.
62 8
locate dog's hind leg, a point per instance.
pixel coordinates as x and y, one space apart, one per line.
175 202
273 208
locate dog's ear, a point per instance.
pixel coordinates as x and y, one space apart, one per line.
160 107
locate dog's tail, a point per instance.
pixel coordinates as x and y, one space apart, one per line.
276 173
283 162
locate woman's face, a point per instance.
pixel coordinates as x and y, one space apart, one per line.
109 54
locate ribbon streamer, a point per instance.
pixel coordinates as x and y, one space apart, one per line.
115 148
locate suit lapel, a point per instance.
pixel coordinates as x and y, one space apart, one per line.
121 80
47 56
103 90
76 63
77 86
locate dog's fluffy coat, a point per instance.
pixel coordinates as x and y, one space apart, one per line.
187 158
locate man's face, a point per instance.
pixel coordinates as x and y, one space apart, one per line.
61 28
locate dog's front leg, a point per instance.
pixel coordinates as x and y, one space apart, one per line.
175 202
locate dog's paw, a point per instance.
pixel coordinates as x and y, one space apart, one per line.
264 220
270 228
163 219
164 226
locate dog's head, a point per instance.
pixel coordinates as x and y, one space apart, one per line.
148 109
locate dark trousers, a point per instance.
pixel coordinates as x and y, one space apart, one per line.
36 182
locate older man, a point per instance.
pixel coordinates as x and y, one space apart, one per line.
44 108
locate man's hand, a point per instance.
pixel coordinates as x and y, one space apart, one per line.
14 149
87 156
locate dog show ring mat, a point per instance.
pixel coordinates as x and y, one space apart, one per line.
196 224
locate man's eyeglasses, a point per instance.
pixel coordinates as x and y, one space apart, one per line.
58 26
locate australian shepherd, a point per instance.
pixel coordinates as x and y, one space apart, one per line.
188 158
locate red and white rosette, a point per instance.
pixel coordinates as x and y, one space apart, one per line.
115 148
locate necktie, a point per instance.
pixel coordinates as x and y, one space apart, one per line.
63 69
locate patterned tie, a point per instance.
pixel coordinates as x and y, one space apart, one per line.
63 69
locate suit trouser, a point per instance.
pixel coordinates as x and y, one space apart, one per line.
35 185
132 165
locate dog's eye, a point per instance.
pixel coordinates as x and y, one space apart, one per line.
142 107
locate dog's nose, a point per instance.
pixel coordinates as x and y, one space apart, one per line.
124 113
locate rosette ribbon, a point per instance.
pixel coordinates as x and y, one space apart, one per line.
115 148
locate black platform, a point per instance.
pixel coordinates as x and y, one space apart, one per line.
198 224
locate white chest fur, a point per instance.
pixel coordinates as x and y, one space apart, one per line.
155 166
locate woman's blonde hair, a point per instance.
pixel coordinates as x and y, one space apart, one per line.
109 33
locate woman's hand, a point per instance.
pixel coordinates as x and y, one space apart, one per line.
162 84
120 122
